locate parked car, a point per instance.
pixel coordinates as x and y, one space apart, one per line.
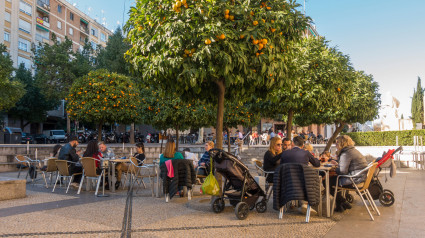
55 136
26 137
40 139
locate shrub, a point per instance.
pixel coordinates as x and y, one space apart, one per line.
385 138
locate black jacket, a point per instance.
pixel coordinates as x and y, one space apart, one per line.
69 153
270 163
295 182
184 175
298 156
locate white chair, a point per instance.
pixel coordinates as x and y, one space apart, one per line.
139 172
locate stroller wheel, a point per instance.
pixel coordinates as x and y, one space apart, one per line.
218 205
386 199
261 207
241 210
349 198
387 190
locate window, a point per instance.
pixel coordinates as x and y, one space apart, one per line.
59 8
102 37
23 44
71 31
93 32
25 61
25 8
6 36
59 39
6 53
24 26
71 16
59 25
7 16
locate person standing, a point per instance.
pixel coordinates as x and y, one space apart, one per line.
68 152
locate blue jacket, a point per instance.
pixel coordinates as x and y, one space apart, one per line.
298 156
205 159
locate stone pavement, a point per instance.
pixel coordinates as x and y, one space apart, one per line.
46 214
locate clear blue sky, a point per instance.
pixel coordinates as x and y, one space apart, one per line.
385 38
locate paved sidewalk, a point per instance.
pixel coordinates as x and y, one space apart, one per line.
406 218
46 214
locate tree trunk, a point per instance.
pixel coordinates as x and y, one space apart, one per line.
289 124
228 140
68 124
220 113
200 136
334 135
132 133
177 137
99 131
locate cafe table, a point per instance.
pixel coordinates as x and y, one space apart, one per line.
111 173
326 170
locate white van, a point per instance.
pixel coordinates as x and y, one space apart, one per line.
55 136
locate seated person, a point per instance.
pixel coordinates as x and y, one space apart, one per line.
170 152
92 150
123 167
272 157
286 144
205 160
69 153
107 153
191 156
298 155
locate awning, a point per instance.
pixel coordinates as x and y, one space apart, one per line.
42 10
81 19
42 28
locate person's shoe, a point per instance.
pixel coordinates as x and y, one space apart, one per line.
339 208
303 210
346 205
75 185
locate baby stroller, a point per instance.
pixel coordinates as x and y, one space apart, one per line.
385 196
240 187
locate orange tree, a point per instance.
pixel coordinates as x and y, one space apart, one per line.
323 82
213 49
362 106
164 111
101 97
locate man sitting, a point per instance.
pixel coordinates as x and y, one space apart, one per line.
298 155
69 153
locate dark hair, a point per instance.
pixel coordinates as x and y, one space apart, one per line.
298 141
141 145
286 139
186 149
56 149
92 149
72 138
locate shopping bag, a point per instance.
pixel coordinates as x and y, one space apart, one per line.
210 185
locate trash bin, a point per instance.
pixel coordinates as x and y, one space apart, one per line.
12 135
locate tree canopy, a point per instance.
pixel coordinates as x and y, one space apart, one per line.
212 49
418 103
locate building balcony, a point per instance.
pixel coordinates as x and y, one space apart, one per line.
43 4
84 30
43 22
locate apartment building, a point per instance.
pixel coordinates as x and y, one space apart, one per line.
26 23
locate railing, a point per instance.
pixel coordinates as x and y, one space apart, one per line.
43 4
84 30
43 22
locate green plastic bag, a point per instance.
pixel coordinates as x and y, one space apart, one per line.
210 185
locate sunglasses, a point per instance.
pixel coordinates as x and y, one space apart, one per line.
278 144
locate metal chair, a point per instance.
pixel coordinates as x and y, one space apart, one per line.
363 191
139 172
23 162
51 169
63 172
89 172
261 172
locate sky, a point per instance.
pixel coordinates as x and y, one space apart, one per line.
384 38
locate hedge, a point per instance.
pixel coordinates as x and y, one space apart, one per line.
386 138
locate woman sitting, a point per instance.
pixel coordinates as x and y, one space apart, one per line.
170 153
350 161
205 160
272 157
92 150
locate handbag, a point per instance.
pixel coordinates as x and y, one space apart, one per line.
210 185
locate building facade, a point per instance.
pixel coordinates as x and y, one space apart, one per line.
26 23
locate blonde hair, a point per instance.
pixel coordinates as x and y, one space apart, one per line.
344 141
273 143
170 149
308 147
210 143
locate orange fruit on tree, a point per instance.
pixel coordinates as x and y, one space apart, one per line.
254 42
261 46
257 54
252 13
255 23
186 51
242 36
178 4
226 12
272 29
339 90
264 41
222 36
190 55
264 21
140 28
272 21
226 16
192 50
183 1
207 41
231 17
